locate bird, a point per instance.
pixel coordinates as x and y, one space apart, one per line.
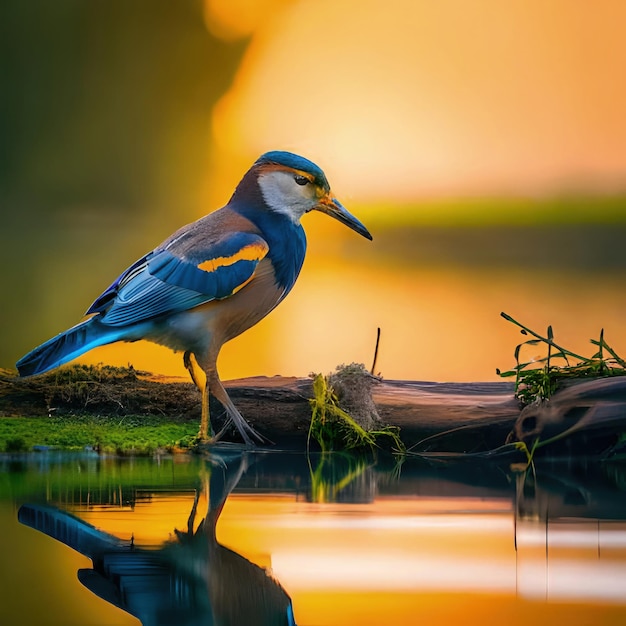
210 281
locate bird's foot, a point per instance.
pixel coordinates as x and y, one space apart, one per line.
247 433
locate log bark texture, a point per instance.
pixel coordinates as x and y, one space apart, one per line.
587 418
474 413
277 406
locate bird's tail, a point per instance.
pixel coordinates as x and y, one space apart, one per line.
67 346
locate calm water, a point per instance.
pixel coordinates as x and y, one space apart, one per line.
269 538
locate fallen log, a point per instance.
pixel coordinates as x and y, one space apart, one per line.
484 412
585 418
433 417
278 406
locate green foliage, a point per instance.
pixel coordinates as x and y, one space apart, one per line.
334 429
521 445
128 436
334 473
538 379
15 444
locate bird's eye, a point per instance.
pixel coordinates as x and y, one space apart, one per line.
301 180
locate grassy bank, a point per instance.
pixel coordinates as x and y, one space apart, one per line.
110 409
120 435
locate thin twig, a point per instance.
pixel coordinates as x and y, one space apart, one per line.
375 352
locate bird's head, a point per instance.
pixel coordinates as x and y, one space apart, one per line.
293 186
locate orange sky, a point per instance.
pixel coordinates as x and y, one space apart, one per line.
404 98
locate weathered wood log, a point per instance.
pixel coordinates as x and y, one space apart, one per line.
432 417
588 416
485 412
277 406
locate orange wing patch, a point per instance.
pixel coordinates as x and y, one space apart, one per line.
252 252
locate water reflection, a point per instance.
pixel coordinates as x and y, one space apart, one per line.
570 538
192 580
348 540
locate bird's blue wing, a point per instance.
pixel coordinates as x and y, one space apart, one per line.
104 300
165 282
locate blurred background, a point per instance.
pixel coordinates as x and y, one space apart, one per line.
483 144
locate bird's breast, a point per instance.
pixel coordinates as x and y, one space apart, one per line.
249 305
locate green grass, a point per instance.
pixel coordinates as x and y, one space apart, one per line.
334 429
120 435
539 378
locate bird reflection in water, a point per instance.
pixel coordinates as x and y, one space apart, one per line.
191 581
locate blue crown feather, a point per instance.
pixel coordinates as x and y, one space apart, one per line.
296 162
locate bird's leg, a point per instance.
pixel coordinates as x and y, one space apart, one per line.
214 386
205 432
190 365
245 430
